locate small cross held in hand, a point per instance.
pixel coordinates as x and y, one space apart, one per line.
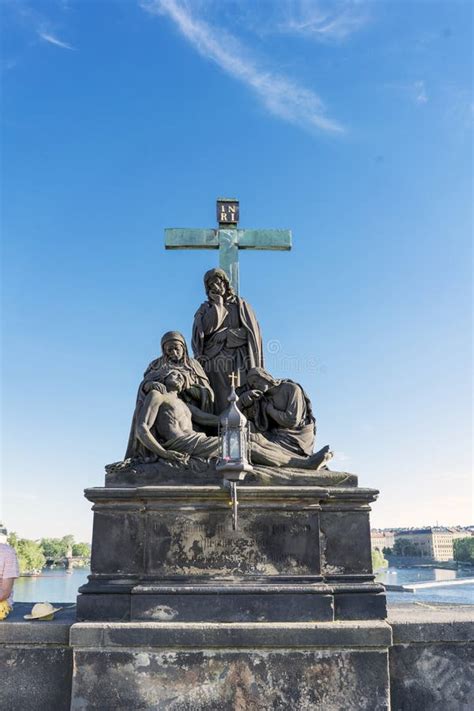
233 377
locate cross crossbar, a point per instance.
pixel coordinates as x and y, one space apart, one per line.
228 241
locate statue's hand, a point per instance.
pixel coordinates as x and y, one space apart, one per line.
245 400
193 392
249 397
271 409
175 457
215 298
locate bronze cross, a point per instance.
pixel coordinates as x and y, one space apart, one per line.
228 239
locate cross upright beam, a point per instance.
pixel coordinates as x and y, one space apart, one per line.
228 239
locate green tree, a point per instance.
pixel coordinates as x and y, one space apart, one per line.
464 549
53 547
12 539
406 548
29 553
57 547
378 561
67 541
82 549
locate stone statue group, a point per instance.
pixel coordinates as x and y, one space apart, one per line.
180 398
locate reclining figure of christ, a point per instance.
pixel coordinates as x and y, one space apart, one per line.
164 426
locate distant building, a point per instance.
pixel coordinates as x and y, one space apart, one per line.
434 542
380 539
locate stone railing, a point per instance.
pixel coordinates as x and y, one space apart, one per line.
129 665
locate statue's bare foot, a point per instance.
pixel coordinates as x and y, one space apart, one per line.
319 459
327 458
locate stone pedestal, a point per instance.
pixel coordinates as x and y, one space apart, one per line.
301 553
182 611
228 666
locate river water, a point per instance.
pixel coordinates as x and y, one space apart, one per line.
53 585
58 586
460 594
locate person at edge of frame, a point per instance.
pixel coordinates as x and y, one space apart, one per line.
9 571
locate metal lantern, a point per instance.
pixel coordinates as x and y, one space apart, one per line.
233 462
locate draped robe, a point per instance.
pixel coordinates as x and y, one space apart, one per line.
292 425
226 339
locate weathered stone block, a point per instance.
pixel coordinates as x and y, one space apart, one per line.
247 635
161 473
360 606
226 667
229 605
432 677
35 662
104 606
345 540
118 538
225 681
432 658
202 543
169 541
35 678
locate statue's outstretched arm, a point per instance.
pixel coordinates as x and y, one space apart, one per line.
203 418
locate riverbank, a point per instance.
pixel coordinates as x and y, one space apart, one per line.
417 562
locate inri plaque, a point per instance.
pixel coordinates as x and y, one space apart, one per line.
227 211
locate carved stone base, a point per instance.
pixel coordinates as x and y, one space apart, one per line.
300 553
220 667
133 473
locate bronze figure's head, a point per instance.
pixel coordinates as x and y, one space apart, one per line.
174 381
173 346
260 379
217 281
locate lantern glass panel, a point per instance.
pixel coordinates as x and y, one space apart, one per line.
243 444
233 439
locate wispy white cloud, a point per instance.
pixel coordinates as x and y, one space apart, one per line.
29 18
49 37
281 95
323 21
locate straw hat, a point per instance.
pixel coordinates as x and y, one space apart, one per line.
42 611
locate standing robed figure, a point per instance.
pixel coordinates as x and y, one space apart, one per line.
226 336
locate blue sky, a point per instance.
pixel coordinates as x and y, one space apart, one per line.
348 122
